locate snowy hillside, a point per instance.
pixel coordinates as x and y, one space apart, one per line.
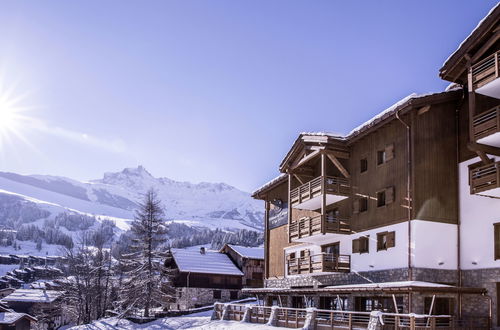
39 199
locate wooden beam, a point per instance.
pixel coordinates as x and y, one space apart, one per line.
484 148
339 165
483 157
306 159
494 38
298 178
323 194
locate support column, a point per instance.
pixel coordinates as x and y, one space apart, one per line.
323 193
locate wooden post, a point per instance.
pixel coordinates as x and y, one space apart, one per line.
350 322
472 105
412 322
289 205
266 240
323 193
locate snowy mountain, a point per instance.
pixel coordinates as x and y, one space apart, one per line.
36 199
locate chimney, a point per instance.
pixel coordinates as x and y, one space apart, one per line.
202 250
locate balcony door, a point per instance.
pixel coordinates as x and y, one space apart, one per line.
333 248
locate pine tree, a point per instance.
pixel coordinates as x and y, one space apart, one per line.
146 283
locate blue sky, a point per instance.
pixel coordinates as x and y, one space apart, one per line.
208 90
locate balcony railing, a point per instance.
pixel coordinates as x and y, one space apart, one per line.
485 71
484 178
486 123
309 226
314 188
324 262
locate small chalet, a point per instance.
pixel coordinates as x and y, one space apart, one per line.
18 321
36 302
203 277
250 260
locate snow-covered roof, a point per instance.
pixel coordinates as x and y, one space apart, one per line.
211 262
271 183
11 317
471 34
401 284
33 296
248 252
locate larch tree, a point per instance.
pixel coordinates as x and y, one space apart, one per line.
146 282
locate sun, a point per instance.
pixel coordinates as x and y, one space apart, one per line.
13 116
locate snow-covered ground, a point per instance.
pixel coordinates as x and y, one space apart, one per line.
198 321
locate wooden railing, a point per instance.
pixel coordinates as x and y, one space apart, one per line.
333 185
309 226
335 319
486 123
485 177
323 262
485 71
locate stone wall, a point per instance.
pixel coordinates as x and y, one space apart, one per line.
483 278
389 275
187 298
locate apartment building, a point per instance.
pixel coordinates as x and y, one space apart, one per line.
403 213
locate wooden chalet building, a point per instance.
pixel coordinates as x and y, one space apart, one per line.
39 302
403 213
250 260
202 278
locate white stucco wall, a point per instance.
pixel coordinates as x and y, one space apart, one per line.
477 214
434 245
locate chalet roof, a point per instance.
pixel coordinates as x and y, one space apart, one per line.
33 296
270 184
412 101
248 252
450 70
402 287
211 262
8 318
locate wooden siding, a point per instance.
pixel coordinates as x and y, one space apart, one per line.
393 173
214 281
275 261
435 164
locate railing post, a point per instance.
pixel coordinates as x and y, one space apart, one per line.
496 65
310 264
433 323
412 322
350 322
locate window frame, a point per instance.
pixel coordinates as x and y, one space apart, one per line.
496 241
381 193
363 161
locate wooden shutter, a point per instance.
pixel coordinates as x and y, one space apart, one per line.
391 239
389 152
355 245
380 241
497 240
355 206
389 195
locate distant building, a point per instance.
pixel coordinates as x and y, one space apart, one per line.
202 278
38 302
250 260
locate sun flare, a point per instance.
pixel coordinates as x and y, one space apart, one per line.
13 118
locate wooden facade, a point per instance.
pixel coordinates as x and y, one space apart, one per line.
252 268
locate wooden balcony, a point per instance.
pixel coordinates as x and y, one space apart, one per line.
485 179
484 76
319 263
309 226
486 127
309 195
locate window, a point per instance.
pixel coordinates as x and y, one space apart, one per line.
360 245
380 157
333 303
385 197
363 165
497 240
442 306
360 205
381 198
386 240
233 295
217 294
385 155
331 248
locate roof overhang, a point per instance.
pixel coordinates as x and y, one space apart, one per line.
261 192
311 142
430 288
486 32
